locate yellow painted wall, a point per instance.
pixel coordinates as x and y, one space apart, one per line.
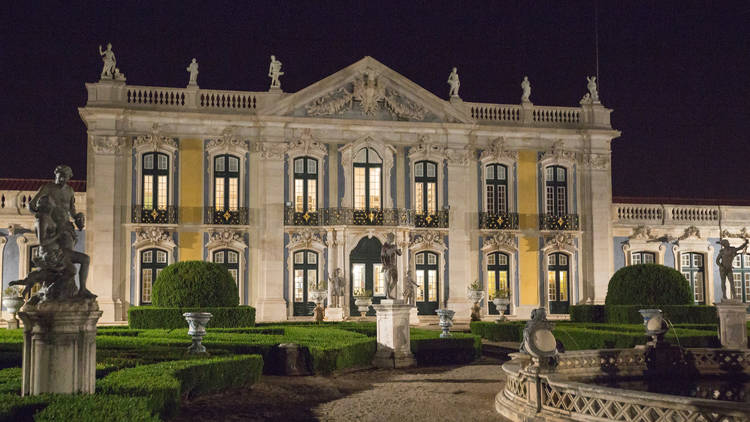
191 197
528 247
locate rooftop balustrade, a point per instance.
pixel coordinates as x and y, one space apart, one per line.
664 214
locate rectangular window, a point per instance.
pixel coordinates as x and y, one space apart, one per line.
234 165
563 259
636 258
490 199
550 200
737 284
219 258
220 165
162 198
491 283
163 163
491 259
312 279
552 293
550 174
747 261
358 277
490 173
299 258
698 261
312 258
737 262
420 286
419 170
312 166
148 192
503 280
648 258
747 286
699 287
418 198
685 259
161 257
232 257
359 188
219 193
501 173
147 280
148 162
551 260
563 285
234 198
148 257
432 281
299 195
420 259
501 205
299 285
431 198
375 188
502 260
431 259
312 195
379 280
431 170
561 209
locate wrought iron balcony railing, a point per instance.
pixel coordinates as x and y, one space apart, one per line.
498 221
166 215
213 215
558 222
364 217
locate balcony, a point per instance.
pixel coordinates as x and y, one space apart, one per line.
558 222
238 216
498 221
364 217
167 215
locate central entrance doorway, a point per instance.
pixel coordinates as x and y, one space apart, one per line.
366 271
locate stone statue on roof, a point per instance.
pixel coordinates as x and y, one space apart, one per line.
526 89
454 83
108 57
193 70
274 72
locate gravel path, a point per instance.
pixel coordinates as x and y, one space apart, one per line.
447 393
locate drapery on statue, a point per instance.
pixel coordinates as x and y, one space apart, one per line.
525 89
193 70
724 261
388 253
454 83
53 207
409 286
337 287
593 90
274 72
108 57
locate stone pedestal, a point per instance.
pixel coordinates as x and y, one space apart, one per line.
732 324
334 314
394 348
59 347
413 316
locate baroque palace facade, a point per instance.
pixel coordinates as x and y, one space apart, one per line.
283 188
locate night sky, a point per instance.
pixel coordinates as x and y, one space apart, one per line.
677 74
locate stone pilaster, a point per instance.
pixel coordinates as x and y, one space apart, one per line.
463 203
596 199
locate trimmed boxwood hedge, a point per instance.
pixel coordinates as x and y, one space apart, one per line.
429 349
140 317
83 408
198 284
651 284
628 314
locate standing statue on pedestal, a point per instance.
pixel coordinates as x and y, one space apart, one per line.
54 207
724 261
337 287
409 286
593 90
193 69
108 57
388 253
274 72
526 89
454 83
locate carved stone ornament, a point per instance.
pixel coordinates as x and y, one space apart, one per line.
499 241
332 239
428 239
459 157
306 144
596 161
371 95
690 232
152 235
426 149
496 151
228 140
154 140
305 238
642 233
226 237
108 144
558 153
743 234
273 150
563 241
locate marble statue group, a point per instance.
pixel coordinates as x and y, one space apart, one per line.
54 208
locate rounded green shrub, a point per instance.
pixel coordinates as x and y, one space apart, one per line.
648 284
194 284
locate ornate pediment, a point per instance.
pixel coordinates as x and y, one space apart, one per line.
691 232
499 241
270 150
497 151
156 236
307 144
108 144
460 156
596 161
642 233
430 239
560 241
226 238
228 141
743 234
368 94
558 153
306 238
426 150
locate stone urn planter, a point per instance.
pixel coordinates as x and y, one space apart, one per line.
446 321
655 325
12 305
197 322
501 303
363 304
319 296
475 296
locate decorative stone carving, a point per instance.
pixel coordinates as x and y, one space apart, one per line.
430 239
642 233
331 240
499 241
558 153
193 70
560 241
226 237
593 91
596 161
228 140
690 232
371 94
154 141
459 157
454 83
305 238
270 150
425 149
307 144
152 235
496 151
525 90
274 72
743 234
108 144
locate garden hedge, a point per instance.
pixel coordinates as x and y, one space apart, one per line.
140 317
198 284
628 314
429 349
650 284
79 408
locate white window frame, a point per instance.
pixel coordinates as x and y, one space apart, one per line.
349 151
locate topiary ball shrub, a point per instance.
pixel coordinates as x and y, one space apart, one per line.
194 284
648 284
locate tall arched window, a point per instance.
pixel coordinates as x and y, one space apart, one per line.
305 184
230 259
425 190
428 287
305 279
368 191
496 180
155 181
558 283
226 182
557 190
152 262
497 277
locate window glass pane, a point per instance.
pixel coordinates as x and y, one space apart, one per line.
373 157
552 290
747 286
698 287
431 198
162 193
234 164
747 261
737 278
420 285
234 195
501 202
299 195
163 162
491 259
299 258
697 260
235 274
433 287
148 257
299 165
737 261
312 166
219 193
431 169
490 172
161 257
563 285
358 277
503 280
491 284
148 192
431 259
375 188
299 285
361 156
419 198
312 195
550 200
648 258
419 170
502 259
560 174
551 260
420 259
501 173
379 280
312 258
219 164
232 257
219 257
561 199
636 258
563 259
359 188
312 279
550 174
490 198
685 260
148 161
146 282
